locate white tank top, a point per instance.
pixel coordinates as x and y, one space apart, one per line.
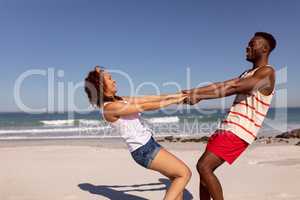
130 128
247 113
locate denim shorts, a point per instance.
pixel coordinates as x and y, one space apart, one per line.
145 154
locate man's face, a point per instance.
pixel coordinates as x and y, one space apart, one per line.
255 49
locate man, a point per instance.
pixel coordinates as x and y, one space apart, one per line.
254 90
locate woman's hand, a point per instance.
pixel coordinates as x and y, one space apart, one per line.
192 98
182 99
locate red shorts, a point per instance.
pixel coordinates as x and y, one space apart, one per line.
226 145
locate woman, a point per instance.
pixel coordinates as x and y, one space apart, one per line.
123 114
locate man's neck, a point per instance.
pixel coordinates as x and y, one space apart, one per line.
261 62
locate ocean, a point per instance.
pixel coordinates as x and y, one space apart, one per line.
179 123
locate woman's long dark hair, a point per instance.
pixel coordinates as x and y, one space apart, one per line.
93 87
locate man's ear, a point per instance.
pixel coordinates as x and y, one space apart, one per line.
266 48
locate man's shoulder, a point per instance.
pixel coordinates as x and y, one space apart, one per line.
264 71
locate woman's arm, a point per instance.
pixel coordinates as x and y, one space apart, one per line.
114 110
150 98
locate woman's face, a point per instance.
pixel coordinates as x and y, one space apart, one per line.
109 83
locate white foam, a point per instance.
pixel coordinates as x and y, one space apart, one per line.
58 122
153 120
57 137
52 130
292 126
71 122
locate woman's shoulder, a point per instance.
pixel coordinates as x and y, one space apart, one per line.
109 108
113 105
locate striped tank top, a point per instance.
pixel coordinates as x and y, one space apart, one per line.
247 113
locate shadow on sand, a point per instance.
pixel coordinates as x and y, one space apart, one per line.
110 191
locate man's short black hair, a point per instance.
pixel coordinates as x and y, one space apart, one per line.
269 37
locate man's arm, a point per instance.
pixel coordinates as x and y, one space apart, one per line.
263 79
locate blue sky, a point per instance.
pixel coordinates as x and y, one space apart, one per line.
152 41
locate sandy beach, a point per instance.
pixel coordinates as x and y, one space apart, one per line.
93 169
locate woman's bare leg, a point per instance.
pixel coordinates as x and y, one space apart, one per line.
180 196
178 173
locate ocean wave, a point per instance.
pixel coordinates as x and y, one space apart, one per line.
155 120
52 130
71 122
58 137
292 126
58 122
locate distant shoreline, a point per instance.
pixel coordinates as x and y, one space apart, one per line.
188 142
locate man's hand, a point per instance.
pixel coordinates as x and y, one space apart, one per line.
191 99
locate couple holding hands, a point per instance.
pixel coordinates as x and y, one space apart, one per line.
254 90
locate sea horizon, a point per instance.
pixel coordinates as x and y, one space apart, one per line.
168 122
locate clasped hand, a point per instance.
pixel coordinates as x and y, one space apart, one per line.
191 97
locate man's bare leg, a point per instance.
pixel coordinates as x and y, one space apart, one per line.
204 193
209 183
